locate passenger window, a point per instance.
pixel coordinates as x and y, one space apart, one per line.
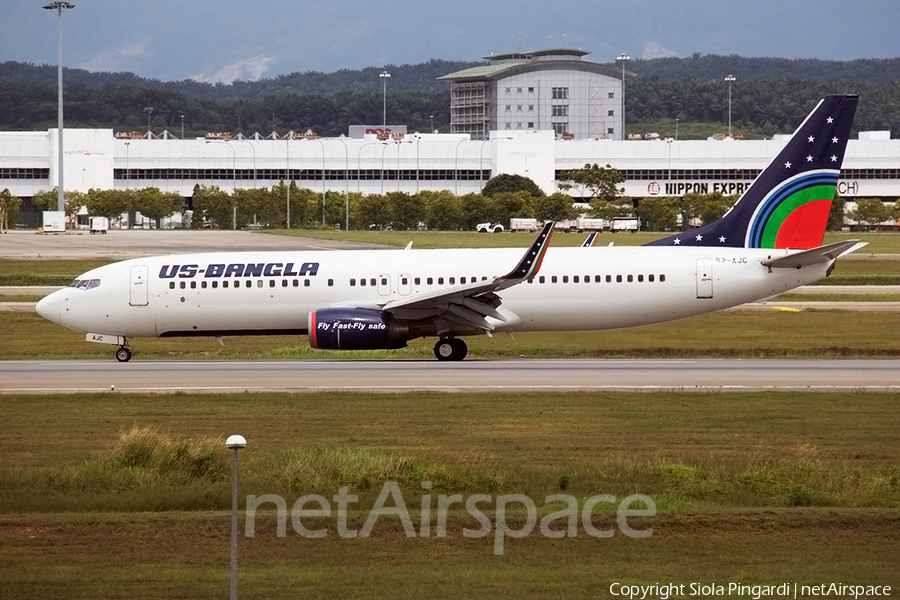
630 278
565 279
650 277
306 283
640 278
553 279
295 283
353 283
417 280
330 282
259 283
575 279
284 283
203 284
662 278
542 279
462 279
250 284
484 278
531 280
429 281
440 281
171 285
215 284
404 281
587 278
362 282
372 282
618 279
383 281
452 280
598 279
271 283
182 285
609 279
193 285
225 284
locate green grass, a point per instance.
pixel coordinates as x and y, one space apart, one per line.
838 298
49 271
111 496
738 334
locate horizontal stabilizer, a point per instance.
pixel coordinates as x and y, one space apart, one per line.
822 254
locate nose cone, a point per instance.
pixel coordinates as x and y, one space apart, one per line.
49 307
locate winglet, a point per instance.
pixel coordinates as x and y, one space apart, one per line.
531 262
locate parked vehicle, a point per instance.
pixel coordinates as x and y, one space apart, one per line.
624 224
99 225
523 225
489 228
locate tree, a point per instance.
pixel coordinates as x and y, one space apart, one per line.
50 201
715 205
111 204
212 207
155 204
373 210
9 209
836 214
870 211
443 211
619 207
477 208
509 205
555 207
407 210
594 182
661 214
511 183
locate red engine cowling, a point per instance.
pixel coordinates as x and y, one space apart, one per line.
348 328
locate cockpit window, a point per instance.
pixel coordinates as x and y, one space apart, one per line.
85 284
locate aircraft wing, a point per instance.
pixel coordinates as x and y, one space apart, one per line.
814 256
470 304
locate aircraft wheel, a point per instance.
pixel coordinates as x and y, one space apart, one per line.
123 354
450 349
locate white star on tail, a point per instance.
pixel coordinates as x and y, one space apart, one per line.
809 159
829 120
722 239
699 238
787 165
677 241
834 140
811 139
833 158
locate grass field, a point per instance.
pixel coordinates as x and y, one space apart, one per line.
730 334
749 486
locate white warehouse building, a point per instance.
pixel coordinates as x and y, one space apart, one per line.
96 158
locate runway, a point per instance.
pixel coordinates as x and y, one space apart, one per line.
466 376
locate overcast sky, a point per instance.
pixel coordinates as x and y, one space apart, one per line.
231 39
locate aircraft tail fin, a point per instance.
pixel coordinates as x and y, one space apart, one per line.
787 206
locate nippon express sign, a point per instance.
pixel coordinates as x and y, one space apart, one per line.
680 188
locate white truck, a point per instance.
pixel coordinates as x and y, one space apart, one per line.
523 225
99 225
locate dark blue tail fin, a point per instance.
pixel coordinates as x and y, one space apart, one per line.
787 206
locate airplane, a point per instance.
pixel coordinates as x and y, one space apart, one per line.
768 242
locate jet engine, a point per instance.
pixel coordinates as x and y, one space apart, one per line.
350 328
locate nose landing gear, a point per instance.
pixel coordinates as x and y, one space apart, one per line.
450 349
123 354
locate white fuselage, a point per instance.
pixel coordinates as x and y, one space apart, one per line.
575 289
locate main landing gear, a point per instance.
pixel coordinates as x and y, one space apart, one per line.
123 354
450 349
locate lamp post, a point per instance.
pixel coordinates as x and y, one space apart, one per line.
233 180
234 443
432 123
149 111
729 79
346 183
624 58
59 7
287 142
359 164
456 168
676 129
182 127
384 77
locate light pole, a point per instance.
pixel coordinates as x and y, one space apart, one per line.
456 168
676 129
384 77
287 141
346 183
234 443
432 123
624 58
359 164
729 79
59 7
182 127
149 111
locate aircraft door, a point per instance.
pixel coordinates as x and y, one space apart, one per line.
137 289
704 278
384 285
404 285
